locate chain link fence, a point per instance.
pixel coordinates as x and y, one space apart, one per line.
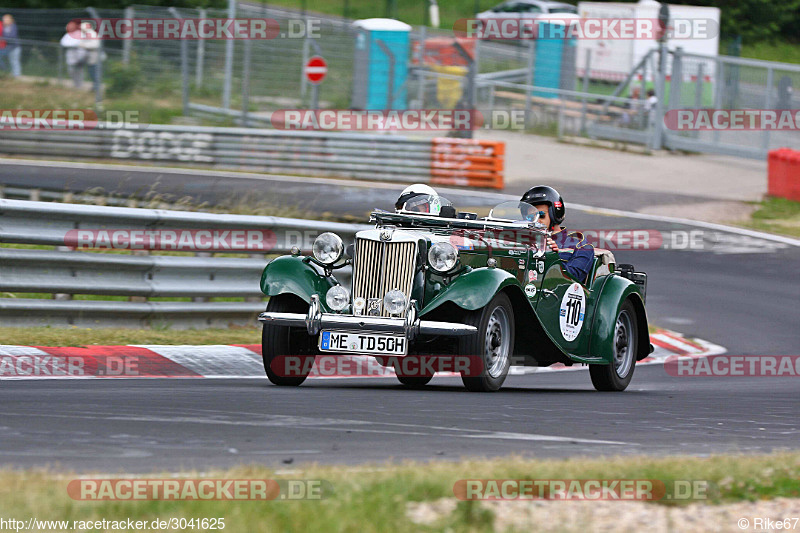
730 83
244 81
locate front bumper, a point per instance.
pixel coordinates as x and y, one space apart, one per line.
410 326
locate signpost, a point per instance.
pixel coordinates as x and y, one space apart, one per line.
315 70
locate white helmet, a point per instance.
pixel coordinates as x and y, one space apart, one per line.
419 198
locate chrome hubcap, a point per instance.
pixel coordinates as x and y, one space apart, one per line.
498 342
623 344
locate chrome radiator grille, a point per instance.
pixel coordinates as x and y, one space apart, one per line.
379 267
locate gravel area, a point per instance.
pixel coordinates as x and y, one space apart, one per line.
620 517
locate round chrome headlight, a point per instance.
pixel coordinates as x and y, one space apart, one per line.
337 298
442 256
328 248
394 302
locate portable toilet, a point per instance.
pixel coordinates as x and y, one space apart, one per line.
555 57
381 54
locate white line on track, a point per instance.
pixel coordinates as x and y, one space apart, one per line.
336 425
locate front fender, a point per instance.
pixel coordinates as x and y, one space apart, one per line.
291 275
472 290
614 293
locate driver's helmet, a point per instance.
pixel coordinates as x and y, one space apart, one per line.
542 194
419 198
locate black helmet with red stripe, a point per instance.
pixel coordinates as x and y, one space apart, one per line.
542 194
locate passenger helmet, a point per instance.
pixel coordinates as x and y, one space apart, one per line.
542 194
419 198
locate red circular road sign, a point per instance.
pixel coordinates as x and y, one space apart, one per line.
315 69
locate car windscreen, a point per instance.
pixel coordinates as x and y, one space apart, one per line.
514 211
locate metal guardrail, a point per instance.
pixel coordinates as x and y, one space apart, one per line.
127 275
353 155
64 271
49 195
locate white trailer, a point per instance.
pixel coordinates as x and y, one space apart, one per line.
695 29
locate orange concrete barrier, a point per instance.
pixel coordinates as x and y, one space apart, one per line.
783 173
467 162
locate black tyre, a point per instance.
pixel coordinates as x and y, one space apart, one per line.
494 343
414 382
279 343
617 376
411 381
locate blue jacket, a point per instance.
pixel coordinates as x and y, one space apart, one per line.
10 34
577 263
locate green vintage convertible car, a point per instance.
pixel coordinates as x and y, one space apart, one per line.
453 285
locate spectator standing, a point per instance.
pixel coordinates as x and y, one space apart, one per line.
650 106
630 109
652 100
3 51
91 43
13 49
75 54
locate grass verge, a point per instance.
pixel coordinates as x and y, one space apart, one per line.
153 108
75 336
374 498
777 215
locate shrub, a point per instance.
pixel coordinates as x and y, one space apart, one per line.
121 79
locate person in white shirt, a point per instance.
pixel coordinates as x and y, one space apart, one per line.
650 106
75 54
91 44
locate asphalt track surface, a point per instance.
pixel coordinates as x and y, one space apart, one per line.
323 196
740 292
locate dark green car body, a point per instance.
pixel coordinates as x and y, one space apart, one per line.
557 319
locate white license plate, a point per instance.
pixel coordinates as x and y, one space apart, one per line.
377 343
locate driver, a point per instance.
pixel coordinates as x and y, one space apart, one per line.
548 202
419 198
